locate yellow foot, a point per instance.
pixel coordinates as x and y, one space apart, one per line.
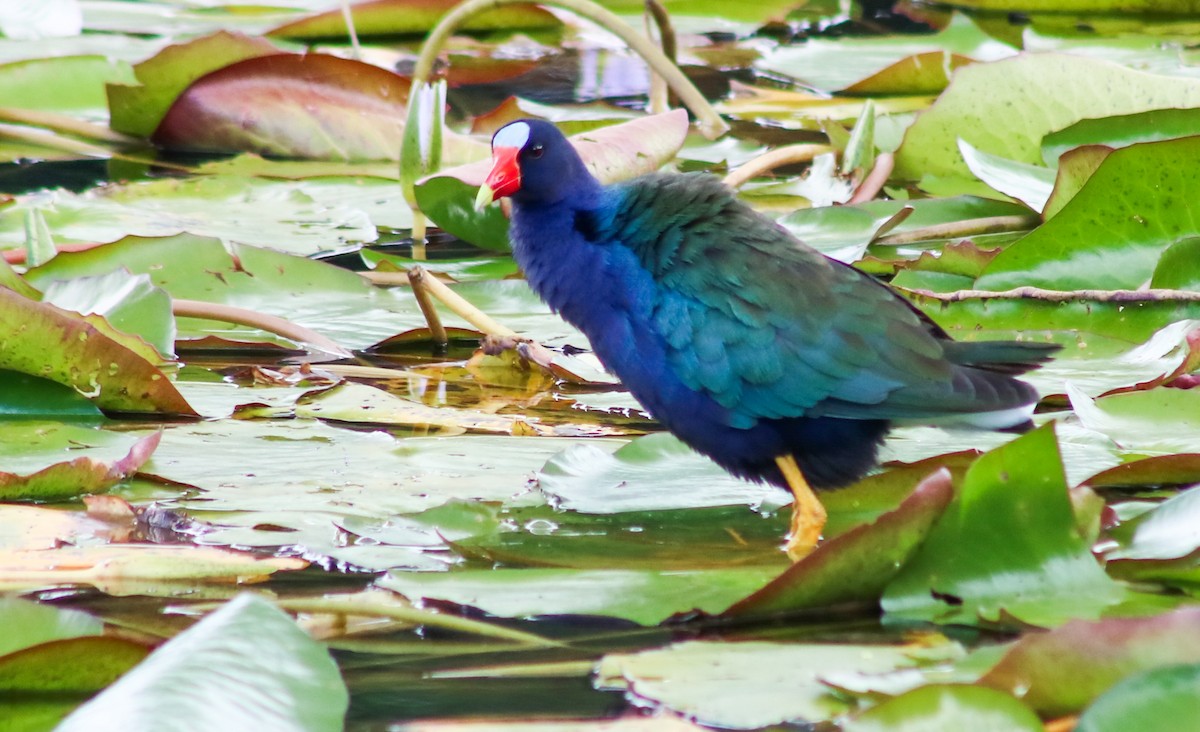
808 515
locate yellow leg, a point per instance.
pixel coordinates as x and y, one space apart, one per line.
808 515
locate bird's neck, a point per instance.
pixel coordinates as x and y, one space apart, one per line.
555 255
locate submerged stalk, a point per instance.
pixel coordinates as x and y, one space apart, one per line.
711 124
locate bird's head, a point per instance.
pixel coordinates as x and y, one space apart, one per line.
533 163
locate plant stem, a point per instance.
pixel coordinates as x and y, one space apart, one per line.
711 124
873 183
263 321
768 161
460 306
417 277
1038 293
962 229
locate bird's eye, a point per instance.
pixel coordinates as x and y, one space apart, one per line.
536 151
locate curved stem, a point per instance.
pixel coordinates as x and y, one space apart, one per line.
962 229
711 124
1038 293
776 158
263 321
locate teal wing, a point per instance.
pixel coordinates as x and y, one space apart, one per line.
771 328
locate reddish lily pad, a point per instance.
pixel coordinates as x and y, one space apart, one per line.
1062 671
63 346
310 106
856 566
137 110
77 477
1178 469
409 17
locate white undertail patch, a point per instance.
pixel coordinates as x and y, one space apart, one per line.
513 135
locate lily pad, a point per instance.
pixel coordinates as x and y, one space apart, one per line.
1062 671
77 477
1006 107
1158 700
65 347
746 685
1028 559
246 665
1112 233
403 17
300 106
856 566
1121 130
943 707
137 110
654 472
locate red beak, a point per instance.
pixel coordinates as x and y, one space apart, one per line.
505 178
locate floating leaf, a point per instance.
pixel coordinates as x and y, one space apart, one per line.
1112 233
300 106
937 707
1062 671
1027 560
1006 107
409 17
856 566
137 110
77 477
655 472
746 685
1158 700
130 303
1030 184
246 666
642 596
885 65
53 343
1121 130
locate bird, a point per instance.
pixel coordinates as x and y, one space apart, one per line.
778 363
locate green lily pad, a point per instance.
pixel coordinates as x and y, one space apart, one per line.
403 17
856 566
1121 130
1027 561
943 707
1006 107
1075 168
305 217
642 596
885 65
845 232
655 472
130 303
27 396
328 299
72 84
1158 700
245 665
96 363
1029 184
746 685
1112 233
77 477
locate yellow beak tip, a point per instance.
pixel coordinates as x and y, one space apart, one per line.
485 197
